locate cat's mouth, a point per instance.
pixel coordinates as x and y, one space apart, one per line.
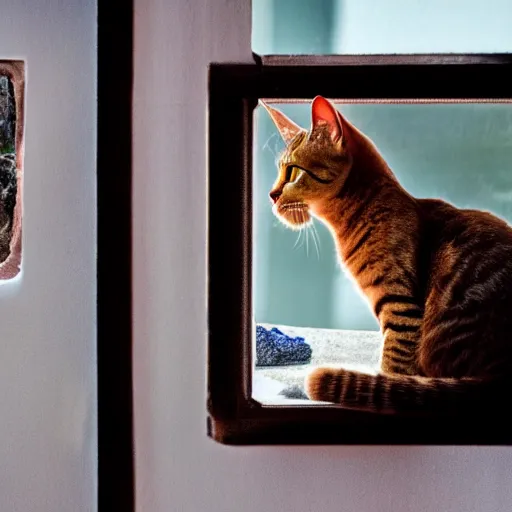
294 215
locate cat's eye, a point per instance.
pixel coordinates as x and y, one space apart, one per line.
292 173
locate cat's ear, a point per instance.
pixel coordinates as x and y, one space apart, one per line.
323 113
287 128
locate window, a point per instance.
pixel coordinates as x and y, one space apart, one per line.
408 76
423 113
11 166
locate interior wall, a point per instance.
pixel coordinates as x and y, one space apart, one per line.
48 444
177 467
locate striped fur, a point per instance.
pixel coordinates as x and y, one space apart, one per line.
438 278
389 394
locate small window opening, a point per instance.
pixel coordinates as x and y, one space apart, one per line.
11 162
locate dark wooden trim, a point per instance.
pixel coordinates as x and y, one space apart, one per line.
364 80
234 89
114 171
386 59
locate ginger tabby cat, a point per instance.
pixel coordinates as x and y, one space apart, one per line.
438 278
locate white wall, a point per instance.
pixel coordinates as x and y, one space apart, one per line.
47 316
178 469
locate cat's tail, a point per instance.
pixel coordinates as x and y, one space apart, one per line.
385 393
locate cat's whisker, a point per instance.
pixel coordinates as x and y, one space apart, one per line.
298 237
317 238
307 242
314 235
303 238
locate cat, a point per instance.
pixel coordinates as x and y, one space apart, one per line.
438 278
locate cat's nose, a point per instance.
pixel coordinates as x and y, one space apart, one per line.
274 195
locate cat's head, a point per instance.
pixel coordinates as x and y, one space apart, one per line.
314 165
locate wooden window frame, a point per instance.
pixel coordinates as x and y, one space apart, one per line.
233 417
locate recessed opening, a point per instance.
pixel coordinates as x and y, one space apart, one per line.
11 166
308 310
